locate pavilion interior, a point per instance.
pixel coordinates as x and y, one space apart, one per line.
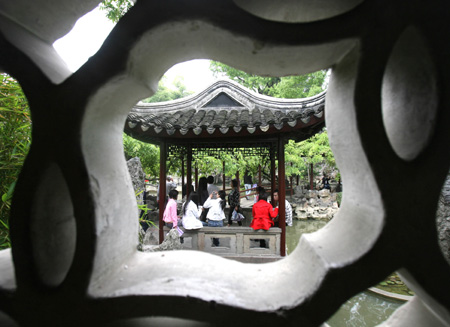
73 222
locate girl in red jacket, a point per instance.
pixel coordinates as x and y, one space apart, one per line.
263 212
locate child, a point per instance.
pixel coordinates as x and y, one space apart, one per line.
263 212
170 214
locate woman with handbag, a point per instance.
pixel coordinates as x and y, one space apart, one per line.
234 200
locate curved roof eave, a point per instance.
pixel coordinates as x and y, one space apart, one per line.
226 110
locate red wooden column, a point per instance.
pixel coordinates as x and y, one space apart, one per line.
311 177
196 177
182 173
239 182
281 196
162 187
189 172
273 184
223 175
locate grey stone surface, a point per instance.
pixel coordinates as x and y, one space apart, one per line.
171 242
307 204
151 236
387 120
137 178
443 219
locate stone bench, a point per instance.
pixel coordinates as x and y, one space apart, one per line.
240 243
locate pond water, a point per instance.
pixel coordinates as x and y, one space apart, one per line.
363 310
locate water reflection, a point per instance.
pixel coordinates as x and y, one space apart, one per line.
363 310
300 227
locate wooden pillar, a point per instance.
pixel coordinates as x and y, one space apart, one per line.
311 177
239 182
196 176
259 176
182 173
189 172
281 196
223 176
298 179
162 187
272 175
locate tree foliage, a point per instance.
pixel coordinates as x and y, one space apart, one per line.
115 9
292 87
289 87
167 93
15 133
259 84
147 153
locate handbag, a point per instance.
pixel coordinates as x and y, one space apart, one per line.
237 216
180 232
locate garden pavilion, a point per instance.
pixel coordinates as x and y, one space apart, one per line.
224 117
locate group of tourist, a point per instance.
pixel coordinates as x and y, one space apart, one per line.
206 207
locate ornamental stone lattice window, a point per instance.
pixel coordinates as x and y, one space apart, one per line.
74 261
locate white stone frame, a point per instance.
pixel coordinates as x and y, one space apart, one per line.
74 205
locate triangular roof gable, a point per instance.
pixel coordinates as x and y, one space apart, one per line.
226 109
222 100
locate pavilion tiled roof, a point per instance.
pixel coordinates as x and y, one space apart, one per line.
225 109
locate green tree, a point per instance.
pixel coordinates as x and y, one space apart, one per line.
167 93
147 153
115 9
15 133
292 87
289 87
259 84
315 150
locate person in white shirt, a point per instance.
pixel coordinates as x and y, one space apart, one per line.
288 215
191 213
216 203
